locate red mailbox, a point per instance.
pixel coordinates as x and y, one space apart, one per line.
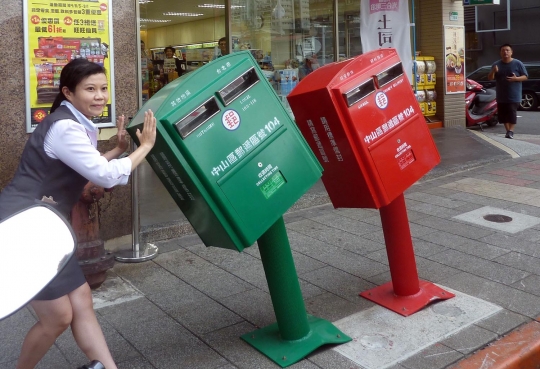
363 122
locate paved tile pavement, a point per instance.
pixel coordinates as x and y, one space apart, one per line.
191 304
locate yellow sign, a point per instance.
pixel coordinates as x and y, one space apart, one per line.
58 31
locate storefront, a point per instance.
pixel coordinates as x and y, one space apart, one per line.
287 38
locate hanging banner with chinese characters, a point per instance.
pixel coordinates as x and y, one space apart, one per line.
385 23
454 59
55 33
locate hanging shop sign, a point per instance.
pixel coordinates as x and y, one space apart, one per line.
481 2
386 23
55 33
454 51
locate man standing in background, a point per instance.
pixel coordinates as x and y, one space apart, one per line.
508 73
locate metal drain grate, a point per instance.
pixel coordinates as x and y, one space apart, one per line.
497 218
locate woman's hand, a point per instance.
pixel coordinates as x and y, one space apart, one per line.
147 139
148 135
121 135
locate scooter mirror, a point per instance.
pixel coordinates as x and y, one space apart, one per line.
35 245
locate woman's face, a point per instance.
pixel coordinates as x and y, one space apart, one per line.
90 96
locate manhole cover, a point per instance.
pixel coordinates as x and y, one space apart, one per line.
497 218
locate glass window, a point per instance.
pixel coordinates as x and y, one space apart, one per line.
177 38
480 74
533 71
288 38
349 29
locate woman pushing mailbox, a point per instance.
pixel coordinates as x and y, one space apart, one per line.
58 160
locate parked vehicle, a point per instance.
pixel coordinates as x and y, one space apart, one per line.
530 88
480 105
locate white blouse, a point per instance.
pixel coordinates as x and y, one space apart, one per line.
76 146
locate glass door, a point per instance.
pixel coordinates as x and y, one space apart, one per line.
192 28
177 38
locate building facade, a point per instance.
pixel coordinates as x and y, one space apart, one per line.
281 34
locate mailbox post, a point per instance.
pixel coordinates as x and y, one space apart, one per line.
234 162
367 130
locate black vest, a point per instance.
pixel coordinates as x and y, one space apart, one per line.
39 175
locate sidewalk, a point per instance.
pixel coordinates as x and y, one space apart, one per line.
188 307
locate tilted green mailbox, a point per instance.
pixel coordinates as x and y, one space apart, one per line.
234 162
227 151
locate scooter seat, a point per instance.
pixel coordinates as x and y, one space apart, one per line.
487 96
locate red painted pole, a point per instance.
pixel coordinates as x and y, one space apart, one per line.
399 248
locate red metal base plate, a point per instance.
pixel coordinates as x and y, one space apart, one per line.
406 305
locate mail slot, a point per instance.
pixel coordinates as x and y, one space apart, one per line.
227 151
365 126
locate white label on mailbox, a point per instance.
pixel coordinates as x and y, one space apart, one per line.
404 156
230 120
382 100
390 124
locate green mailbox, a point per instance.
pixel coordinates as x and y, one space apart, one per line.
234 162
227 151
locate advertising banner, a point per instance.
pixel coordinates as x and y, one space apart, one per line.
55 33
386 23
454 51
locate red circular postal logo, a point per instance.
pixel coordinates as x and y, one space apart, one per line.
381 100
230 120
103 7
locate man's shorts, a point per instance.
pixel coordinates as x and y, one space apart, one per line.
507 112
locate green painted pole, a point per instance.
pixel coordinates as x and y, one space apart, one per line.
283 282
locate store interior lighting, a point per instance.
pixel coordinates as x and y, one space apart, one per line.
144 20
219 6
183 14
189 46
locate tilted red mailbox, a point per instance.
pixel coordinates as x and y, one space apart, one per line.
362 120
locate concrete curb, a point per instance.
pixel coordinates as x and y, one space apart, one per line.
520 349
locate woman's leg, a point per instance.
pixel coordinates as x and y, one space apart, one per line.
86 329
54 318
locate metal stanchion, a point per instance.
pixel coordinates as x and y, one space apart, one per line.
137 253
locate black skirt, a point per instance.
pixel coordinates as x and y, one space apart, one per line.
69 279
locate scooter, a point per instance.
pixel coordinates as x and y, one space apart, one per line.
480 105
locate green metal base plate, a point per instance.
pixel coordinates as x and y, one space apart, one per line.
283 352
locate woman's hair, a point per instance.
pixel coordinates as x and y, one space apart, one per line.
72 74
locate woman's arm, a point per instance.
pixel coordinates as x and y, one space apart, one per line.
67 141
